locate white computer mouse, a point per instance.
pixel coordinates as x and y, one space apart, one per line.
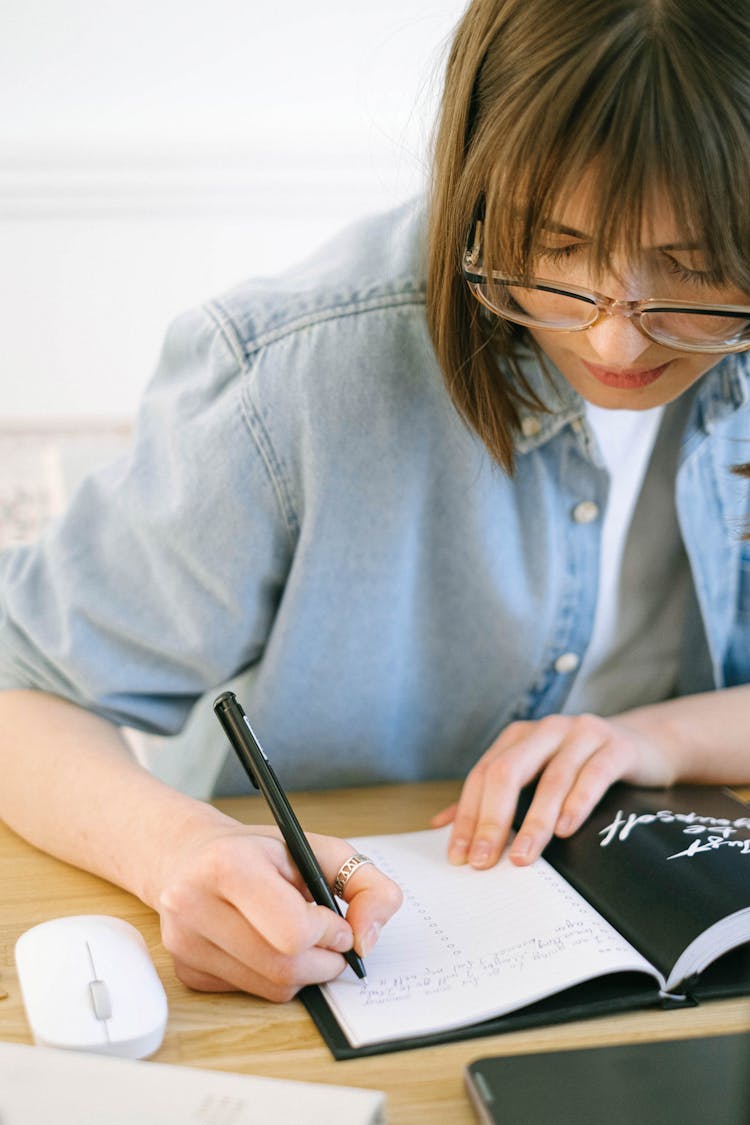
89 984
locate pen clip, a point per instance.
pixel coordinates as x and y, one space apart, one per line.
248 768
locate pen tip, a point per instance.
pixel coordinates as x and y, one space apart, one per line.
357 964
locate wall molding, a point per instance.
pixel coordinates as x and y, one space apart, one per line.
175 185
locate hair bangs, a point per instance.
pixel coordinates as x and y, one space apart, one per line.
627 136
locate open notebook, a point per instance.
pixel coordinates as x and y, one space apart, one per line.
639 908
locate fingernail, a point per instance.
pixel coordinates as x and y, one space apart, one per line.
564 825
521 847
457 850
480 853
369 938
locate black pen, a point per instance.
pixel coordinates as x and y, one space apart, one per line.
258 768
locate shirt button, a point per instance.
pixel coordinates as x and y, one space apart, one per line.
568 662
530 426
586 512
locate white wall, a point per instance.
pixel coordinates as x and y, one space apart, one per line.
153 152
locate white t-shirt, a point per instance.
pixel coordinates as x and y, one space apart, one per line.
633 653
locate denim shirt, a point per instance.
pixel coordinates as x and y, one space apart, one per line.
304 514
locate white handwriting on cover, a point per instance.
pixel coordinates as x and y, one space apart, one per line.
692 824
711 844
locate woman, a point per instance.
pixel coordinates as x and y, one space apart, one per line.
454 497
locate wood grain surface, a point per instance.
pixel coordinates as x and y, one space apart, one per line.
239 1033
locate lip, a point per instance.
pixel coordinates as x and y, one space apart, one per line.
624 379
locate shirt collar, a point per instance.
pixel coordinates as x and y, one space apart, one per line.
723 390
565 405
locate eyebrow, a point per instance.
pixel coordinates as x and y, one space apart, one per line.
561 228
680 246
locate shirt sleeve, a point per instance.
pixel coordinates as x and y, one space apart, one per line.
162 579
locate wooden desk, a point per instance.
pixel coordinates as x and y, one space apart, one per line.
239 1033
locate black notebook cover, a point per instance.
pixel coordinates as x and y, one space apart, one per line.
654 865
656 918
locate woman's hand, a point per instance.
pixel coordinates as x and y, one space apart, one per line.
235 913
576 757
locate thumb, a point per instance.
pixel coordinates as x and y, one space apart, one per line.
372 900
371 897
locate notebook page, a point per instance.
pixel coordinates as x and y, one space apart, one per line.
467 945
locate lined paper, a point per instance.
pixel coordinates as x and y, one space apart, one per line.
467 945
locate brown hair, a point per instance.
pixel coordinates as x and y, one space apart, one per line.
657 92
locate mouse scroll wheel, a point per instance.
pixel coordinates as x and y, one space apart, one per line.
100 999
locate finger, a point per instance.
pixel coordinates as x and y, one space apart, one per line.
504 779
256 878
466 816
584 740
372 897
200 981
204 916
445 816
592 782
202 965
213 942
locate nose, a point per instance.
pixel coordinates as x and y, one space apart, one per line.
617 341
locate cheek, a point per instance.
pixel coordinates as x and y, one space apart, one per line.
556 343
688 369
565 350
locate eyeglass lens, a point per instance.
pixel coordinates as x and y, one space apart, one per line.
543 308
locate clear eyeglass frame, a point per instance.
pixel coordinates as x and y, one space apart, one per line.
595 306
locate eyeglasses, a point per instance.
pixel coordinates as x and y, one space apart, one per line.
538 303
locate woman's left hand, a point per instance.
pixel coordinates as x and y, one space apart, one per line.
576 757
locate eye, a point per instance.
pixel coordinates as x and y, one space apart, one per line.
560 253
557 254
689 273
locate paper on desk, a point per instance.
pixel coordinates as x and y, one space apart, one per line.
41 1085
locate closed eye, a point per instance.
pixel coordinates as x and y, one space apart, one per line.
704 278
560 253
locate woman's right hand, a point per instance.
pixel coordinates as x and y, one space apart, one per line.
234 910
236 915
